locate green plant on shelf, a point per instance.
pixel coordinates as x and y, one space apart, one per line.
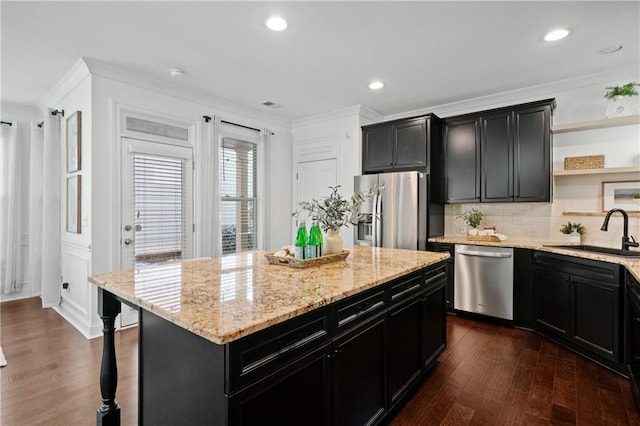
628 89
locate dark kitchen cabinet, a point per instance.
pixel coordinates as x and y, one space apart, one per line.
553 301
461 143
434 319
523 315
497 157
358 375
405 360
402 145
632 339
416 329
578 301
447 248
532 153
274 398
500 155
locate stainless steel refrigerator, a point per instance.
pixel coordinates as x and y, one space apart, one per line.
401 214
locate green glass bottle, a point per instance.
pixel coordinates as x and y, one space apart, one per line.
314 249
301 240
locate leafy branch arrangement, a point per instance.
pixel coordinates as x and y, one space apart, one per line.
628 89
570 228
335 211
472 217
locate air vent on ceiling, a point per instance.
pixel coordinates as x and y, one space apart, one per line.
271 104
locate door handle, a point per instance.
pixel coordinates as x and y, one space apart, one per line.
128 241
483 254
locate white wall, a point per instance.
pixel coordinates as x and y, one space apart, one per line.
23 117
344 127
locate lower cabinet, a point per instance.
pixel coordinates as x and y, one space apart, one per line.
353 372
405 361
278 397
447 248
632 349
553 301
434 324
358 375
579 302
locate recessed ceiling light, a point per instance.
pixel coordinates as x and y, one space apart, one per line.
276 23
556 35
376 85
611 49
177 73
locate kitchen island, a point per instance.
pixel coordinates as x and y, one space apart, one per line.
236 340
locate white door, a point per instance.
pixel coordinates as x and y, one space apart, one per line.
314 179
157 211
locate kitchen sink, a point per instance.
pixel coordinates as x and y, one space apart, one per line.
603 250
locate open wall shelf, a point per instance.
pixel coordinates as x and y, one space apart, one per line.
596 124
603 171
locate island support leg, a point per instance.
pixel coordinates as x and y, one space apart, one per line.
108 309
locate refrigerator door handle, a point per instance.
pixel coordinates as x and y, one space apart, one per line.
378 220
374 223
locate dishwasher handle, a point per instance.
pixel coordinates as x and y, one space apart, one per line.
483 254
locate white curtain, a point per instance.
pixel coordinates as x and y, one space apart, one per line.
264 150
50 233
10 215
35 209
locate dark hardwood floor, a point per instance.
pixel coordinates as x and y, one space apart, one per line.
489 374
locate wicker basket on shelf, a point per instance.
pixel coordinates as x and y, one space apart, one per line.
584 162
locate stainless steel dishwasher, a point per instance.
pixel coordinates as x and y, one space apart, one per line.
484 280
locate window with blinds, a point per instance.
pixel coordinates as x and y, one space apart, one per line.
159 201
238 199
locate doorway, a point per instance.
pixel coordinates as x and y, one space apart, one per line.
157 207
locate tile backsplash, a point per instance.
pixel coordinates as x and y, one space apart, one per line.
540 221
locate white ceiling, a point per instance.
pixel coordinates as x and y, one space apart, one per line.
427 53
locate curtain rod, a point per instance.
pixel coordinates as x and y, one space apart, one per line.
208 118
8 123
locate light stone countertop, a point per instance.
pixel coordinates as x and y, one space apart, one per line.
224 299
632 264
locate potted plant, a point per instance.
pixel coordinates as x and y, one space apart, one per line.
472 217
618 107
574 232
333 212
617 92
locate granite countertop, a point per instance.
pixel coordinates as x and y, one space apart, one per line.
632 264
226 298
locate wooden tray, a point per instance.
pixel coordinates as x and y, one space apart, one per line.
305 263
489 238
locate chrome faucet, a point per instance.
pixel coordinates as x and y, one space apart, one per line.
625 237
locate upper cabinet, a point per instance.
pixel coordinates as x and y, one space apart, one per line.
462 160
400 145
501 155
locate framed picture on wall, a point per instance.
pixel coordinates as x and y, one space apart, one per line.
74 192
622 195
74 141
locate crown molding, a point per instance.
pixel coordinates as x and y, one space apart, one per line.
355 111
208 101
523 95
76 75
369 115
